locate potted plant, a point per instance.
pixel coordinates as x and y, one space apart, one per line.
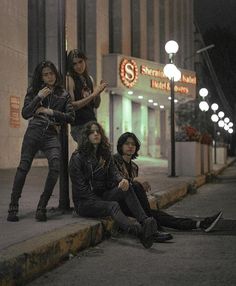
206 153
188 151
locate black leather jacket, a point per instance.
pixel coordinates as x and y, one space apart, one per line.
59 101
85 178
120 164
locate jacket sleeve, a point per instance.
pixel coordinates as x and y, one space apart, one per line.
68 116
81 187
31 103
114 174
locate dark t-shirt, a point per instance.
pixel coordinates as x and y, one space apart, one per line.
128 168
83 88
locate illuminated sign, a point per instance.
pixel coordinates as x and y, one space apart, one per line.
128 72
15 111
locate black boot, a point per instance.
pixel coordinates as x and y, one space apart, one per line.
135 229
12 213
41 214
149 228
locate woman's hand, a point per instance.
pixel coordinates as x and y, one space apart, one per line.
44 92
44 110
124 185
100 88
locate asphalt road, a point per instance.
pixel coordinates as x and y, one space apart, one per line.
191 258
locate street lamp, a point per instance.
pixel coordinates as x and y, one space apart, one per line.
221 123
171 71
203 105
198 52
214 118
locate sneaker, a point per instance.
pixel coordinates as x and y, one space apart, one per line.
41 215
209 222
161 236
12 216
149 228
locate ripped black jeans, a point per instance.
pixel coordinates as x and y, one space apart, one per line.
108 205
46 140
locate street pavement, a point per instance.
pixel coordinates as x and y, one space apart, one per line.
29 248
192 258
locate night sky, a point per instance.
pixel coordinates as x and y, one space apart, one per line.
211 13
212 16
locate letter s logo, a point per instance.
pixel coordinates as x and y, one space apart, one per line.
128 72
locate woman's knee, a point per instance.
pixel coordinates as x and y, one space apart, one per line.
114 207
54 165
24 166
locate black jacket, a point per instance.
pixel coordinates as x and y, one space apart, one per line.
84 174
120 164
59 101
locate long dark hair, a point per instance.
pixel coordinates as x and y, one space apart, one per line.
87 148
70 67
37 80
123 138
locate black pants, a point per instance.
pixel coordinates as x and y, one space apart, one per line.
36 139
162 218
108 205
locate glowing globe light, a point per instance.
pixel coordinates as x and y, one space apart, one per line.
177 75
226 127
214 106
226 120
203 92
171 47
230 124
214 118
230 130
221 123
204 106
221 114
170 70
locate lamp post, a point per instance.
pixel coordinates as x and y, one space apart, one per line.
203 105
171 71
214 118
64 200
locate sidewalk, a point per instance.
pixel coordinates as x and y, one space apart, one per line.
29 248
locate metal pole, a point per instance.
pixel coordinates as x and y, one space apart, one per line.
64 200
172 127
215 143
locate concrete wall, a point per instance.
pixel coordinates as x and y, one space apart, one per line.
13 75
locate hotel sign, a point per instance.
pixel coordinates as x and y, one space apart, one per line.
145 77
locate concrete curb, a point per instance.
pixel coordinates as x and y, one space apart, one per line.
27 260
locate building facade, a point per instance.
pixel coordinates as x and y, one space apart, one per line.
124 41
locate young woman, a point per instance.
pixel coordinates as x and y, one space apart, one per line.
47 105
85 99
97 186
